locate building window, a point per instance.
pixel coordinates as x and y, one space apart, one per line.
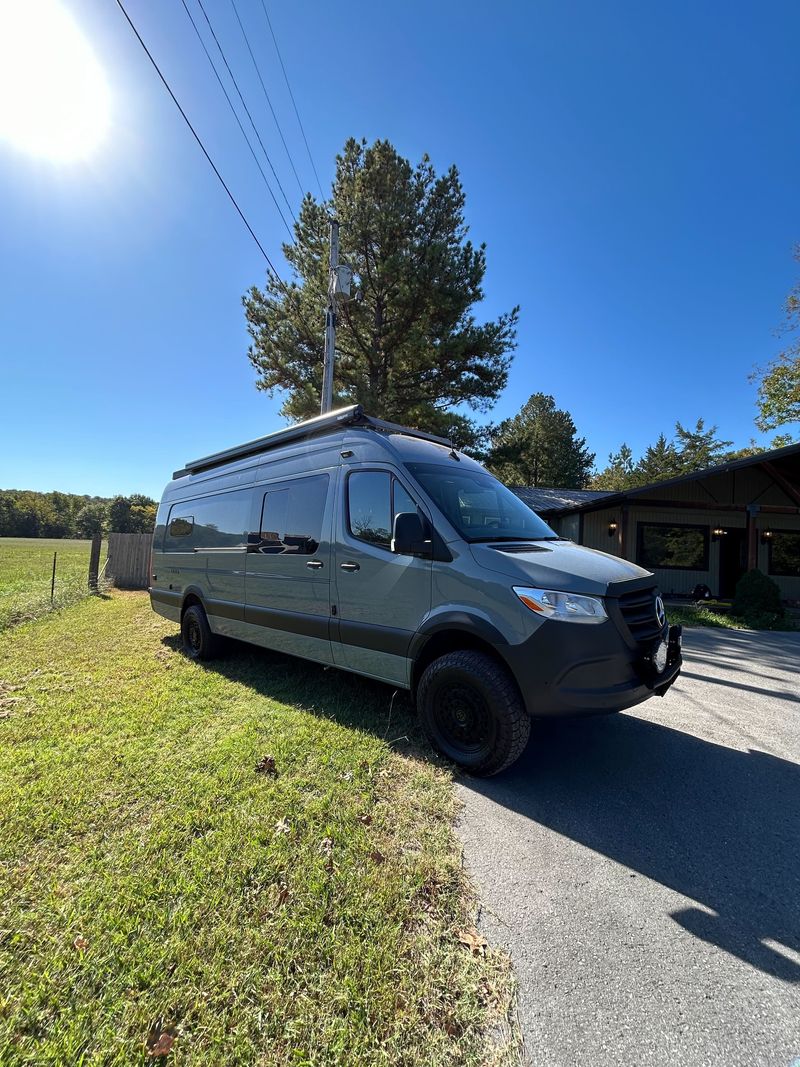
784 554
675 547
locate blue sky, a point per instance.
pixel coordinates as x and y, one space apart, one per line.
633 169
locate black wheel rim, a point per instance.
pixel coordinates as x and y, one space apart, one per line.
463 722
193 636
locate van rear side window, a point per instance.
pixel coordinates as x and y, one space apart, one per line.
291 516
209 522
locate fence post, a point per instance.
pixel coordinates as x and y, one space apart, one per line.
53 581
94 563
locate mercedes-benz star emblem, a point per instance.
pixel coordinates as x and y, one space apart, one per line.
661 614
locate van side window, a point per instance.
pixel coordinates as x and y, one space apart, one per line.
369 505
209 522
291 517
402 501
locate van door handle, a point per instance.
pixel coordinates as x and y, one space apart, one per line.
315 564
349 566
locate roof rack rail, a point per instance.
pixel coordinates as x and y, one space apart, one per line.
353 415
395 427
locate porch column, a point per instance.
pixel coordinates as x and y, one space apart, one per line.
624 539
752 536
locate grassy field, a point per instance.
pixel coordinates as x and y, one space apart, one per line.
26 567
159 893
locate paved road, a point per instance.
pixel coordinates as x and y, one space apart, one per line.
644 870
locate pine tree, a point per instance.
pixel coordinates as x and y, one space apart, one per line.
660 461
698 448
408 346
619 474
540 447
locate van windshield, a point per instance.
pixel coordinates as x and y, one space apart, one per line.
480 507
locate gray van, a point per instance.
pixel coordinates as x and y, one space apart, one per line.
382 550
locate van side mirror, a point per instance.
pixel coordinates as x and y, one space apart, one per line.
409 536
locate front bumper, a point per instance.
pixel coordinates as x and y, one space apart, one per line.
660 680
565 669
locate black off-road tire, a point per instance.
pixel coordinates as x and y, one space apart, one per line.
472 712
198 641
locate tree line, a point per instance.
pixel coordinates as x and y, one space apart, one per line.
541 446
25 513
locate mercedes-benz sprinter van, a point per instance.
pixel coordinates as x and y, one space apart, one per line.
382 550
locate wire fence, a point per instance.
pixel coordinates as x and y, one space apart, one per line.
38 576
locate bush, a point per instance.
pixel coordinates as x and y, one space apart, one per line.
758 602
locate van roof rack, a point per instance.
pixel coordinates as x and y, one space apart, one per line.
353 415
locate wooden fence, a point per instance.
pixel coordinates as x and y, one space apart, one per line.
128 565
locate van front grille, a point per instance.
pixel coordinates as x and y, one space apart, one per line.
638 610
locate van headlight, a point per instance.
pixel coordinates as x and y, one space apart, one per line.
569 607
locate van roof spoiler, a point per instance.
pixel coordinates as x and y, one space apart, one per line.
353 415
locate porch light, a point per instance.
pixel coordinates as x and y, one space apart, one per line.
766 536
612 528
718 532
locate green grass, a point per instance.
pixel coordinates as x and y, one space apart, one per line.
689 615
26 568
153 883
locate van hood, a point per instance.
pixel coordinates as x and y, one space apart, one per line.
557 565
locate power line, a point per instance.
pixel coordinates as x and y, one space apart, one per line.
291 94
244 105
266 95
238 120
196 136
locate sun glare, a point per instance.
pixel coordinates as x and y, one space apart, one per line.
54 98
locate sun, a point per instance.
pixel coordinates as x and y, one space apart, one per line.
54 98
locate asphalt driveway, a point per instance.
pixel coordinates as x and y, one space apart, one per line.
643 870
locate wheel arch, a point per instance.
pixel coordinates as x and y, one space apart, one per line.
450 633
192 595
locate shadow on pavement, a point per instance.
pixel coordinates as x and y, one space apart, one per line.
715 824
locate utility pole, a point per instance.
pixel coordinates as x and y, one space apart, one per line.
330 321
339 282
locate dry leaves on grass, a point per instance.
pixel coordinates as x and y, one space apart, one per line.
165 655
278 896
282 827
8 687
159 1045
326 848
8 703
474 941
81 944
266 765
366 819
